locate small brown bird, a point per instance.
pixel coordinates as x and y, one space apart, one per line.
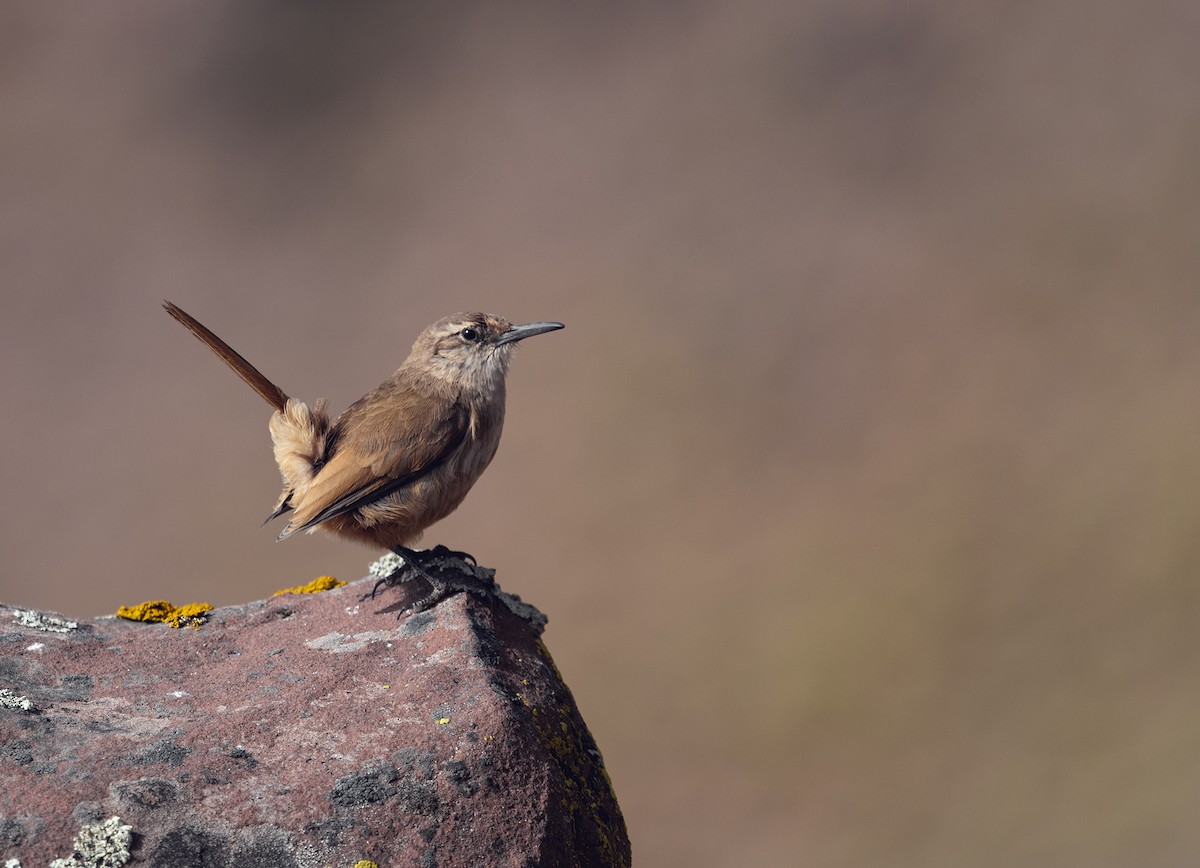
404 455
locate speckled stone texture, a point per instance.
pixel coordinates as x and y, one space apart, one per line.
301 732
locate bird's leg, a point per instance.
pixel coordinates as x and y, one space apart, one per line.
419 560
410 569
413 561
423 564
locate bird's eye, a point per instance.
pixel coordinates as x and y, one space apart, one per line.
469 334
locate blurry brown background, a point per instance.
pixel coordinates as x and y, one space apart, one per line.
863 488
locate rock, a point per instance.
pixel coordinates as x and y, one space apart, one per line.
301 731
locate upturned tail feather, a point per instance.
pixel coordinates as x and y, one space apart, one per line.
270 393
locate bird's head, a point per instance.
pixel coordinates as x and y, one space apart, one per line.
471 351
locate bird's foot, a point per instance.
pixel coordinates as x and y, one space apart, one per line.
447 572
438 591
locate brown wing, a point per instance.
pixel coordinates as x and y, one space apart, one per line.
383 443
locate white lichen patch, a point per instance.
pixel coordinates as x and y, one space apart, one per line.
385 566
437 658
11 701
99 845
339 643
43 621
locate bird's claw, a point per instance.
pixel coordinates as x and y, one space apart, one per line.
467 576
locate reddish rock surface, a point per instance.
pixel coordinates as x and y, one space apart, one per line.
304 731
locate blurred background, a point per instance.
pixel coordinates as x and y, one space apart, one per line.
863 488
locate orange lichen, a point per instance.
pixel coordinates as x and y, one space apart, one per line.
324 583
191 615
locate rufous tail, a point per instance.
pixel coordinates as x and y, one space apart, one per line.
271 393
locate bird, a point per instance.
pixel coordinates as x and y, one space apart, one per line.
403 456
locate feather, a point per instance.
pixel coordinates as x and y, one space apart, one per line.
381 452
270 393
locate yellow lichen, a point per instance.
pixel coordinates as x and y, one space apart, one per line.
365 863
191 615
324 583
